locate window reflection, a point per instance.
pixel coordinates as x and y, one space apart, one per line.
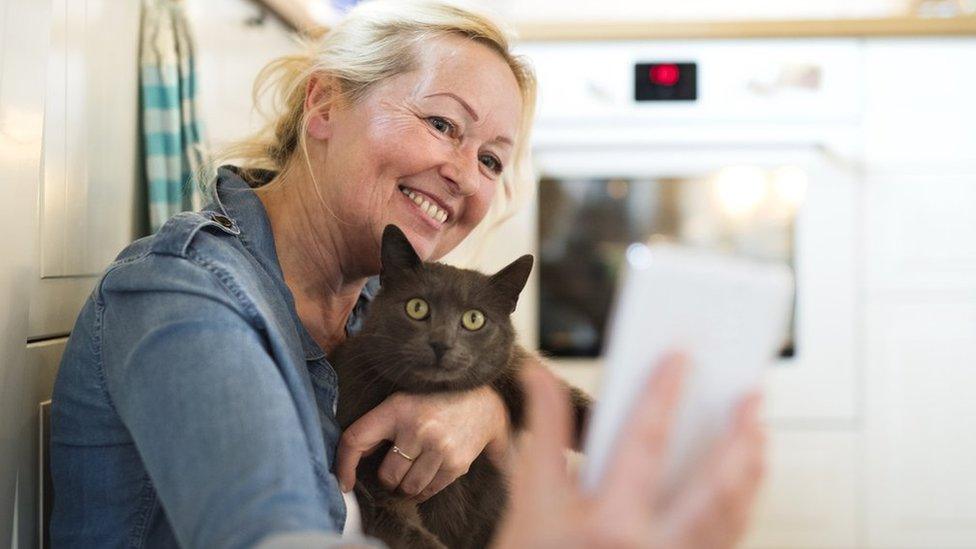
586 225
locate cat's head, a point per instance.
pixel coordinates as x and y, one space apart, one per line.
433 327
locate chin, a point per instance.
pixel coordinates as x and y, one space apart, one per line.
424 246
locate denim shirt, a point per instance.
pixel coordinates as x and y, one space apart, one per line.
192 408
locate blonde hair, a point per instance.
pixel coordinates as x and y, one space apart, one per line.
376 40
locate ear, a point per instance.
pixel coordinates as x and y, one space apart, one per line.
508 282
396 253
319 99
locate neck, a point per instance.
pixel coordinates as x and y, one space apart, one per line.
319 267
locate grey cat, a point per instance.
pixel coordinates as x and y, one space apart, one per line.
435 328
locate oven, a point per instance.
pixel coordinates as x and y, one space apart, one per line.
747 148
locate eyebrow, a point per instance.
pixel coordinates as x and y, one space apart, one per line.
467 107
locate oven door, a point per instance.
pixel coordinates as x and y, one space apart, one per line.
794 203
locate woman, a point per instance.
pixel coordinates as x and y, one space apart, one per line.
195 403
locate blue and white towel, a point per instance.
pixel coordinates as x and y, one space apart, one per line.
172 135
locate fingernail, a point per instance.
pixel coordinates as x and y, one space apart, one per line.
343 487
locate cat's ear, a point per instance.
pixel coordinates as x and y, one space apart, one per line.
508 282
396 253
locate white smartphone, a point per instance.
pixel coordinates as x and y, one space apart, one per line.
727 315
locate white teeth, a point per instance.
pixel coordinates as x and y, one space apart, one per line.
429 208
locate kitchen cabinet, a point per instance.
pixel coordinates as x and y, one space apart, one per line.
69 165
920 422
89 206
920 295
920 351
919 104
582 12
921 233
811 497
24 28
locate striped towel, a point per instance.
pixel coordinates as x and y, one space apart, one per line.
172 136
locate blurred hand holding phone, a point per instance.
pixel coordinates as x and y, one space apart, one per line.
725 314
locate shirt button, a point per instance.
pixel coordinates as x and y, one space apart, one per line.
224 221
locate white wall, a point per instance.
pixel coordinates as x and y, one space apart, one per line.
230 52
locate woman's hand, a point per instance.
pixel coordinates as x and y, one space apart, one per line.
628 510
443 433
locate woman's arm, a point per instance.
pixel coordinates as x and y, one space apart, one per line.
208 409
445 432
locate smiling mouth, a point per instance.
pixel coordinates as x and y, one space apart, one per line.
426 205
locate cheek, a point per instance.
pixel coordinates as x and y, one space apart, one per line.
476 207
388 151
398 146
481 200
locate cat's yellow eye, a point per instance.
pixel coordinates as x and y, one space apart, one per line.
417 309
473 319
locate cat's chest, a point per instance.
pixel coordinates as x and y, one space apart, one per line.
360 388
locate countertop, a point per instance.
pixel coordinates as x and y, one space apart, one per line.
653 30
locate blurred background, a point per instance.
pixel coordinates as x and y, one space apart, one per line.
836 137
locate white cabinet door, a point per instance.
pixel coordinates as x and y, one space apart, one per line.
921 232
919 108
811 497
920 323
88 196
23 48
921 420
920 414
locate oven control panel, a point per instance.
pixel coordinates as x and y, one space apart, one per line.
764 83
665 81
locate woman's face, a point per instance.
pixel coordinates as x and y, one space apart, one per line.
423 150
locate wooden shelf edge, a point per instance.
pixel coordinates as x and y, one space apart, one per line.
653 30
297 15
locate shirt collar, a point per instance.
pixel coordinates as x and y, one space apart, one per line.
235 198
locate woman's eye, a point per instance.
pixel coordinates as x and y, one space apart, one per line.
417 309
473 319
441 125
492 163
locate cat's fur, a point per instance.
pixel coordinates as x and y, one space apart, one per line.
395 352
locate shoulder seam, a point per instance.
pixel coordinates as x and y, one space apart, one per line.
176 236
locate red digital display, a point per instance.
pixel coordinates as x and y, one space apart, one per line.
666 74
665 80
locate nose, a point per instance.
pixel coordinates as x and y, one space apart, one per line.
439 348
462 171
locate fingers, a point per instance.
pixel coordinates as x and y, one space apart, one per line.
548 422
360 438
639 457
714 511
410 477
441 480
742 473
750 435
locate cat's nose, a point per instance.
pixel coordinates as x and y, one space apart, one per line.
439 348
